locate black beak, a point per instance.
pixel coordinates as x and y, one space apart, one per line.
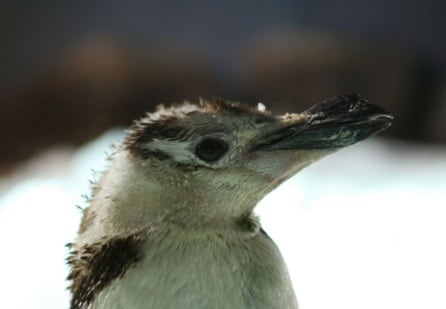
334 123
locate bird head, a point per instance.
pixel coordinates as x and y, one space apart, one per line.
213 161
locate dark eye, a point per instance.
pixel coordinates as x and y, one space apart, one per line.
211 149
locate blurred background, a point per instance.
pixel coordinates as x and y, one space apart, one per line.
72 72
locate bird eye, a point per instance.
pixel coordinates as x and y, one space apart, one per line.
211 149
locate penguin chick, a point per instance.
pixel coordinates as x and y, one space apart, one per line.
171 223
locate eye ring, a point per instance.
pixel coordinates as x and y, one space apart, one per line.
211 149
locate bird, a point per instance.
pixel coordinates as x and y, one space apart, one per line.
171 223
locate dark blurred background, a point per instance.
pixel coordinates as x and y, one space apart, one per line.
71 70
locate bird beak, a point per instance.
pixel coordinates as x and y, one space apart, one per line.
334 123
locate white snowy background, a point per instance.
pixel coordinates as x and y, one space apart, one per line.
362 228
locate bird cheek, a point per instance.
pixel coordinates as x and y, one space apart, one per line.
266 167
277 166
